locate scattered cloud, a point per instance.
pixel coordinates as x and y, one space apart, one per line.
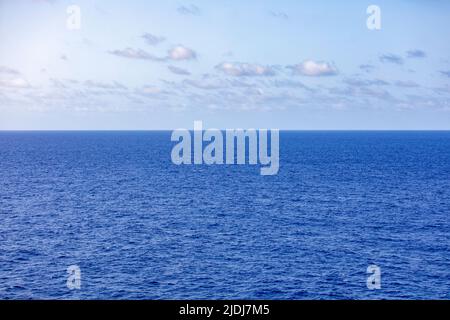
314 69
365 83
104 85
11 78
228 54
87 42
181 53
445 73
442 90
16 82
406 84
9 71
176 53
286 83
150 90
152 40
367 67
361 92
58 83
139 54
189 10
205 85
179 71
45 1
240 83
377 93
279 14
64 57
239 69
416 54
391 58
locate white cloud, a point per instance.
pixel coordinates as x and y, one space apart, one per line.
239 69
11 78
15 82
177 53
314 69
181 53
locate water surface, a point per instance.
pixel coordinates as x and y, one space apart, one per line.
140 227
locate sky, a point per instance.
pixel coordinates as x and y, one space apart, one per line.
152 65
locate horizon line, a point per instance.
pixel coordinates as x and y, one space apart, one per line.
223 129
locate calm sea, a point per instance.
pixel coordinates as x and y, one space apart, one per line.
140 227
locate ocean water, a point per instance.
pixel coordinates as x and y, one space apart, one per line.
140 227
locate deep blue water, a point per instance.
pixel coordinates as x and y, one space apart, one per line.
141 227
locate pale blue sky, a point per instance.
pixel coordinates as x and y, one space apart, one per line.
262 64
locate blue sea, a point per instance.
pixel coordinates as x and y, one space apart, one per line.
140 227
